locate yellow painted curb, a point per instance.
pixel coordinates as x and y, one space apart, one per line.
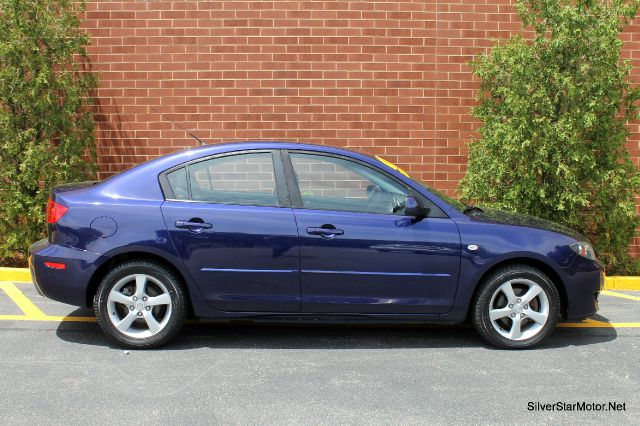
622 283
15 274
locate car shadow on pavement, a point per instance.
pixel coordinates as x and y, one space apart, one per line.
218 335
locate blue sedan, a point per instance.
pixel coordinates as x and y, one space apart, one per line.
270 231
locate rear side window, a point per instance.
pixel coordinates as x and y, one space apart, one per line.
242 179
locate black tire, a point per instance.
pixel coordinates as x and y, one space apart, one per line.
174 314
489 288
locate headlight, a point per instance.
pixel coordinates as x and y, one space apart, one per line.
583 249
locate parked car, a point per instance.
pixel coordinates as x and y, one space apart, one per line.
270 231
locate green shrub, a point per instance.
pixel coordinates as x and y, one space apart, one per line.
46 128
554 108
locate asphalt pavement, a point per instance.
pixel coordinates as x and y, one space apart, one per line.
56 367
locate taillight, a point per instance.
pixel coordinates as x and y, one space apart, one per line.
55 211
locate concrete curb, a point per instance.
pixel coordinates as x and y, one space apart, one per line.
15 274
610 283
622 283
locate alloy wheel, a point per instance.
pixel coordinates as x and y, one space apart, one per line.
139 306
519 309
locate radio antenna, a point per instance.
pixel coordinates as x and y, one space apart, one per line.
179 126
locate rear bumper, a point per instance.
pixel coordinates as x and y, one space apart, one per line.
69 285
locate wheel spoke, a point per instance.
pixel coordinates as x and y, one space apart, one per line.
516 328
152 323
126 322
508 291
496 314
163 299
538 317
117 297
531 293
141 284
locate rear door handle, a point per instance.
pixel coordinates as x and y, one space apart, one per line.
325 232
192 225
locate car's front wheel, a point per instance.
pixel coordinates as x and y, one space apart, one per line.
140 304
516 307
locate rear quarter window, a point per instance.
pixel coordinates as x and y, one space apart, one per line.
179 185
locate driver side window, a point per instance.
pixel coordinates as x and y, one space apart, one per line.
332 183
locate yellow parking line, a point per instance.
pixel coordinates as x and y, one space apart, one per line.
18 297
72 319
589 323
620 295
33 313
46 318
50 318
585 324
625 324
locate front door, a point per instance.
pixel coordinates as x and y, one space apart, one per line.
234 232
358 253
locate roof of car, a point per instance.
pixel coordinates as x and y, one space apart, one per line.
248 145
183 156
140 181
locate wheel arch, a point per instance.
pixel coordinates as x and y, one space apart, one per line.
529 261
122 257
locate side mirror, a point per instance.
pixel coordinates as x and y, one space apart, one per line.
413 207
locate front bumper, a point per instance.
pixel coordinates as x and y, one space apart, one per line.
69 285
583 289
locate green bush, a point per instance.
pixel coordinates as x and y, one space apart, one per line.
46 128
554 107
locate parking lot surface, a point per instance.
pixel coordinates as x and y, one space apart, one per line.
58 368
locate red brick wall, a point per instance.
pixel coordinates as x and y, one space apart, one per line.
386 77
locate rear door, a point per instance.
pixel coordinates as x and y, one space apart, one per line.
358 252
230 220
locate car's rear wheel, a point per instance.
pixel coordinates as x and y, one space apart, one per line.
140 304
516 307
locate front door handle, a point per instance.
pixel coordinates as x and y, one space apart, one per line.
324 232
193 225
